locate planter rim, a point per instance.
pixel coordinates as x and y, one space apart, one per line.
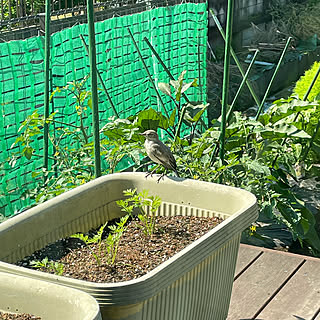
225 231
124 176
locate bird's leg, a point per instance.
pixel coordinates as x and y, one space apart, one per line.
161 176
152 172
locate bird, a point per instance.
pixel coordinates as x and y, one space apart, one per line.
158 152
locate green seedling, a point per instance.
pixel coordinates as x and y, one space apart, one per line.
49 265
111 242
96 239
113 239
147 206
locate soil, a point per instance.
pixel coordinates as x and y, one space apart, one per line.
137 253
18 316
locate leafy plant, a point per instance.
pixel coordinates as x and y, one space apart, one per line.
72 161
113 239
189 112
51 266
96 239
111 243
261 156
303 84
146 205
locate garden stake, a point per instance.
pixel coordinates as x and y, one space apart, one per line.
101 81
169 73
46 87
297 115
225 87
311 85
235 98
94 93
273 77
149 75
163 64
242 84
234 56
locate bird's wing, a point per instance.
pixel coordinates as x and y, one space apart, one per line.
163 155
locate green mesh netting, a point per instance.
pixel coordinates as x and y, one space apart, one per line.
178 33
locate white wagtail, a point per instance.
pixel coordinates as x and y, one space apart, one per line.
159 152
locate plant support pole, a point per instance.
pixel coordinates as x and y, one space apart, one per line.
244 80
226 72
234 56
273 77
149 75
94 89
101 81
46 86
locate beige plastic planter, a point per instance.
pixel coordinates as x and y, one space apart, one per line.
46 300
195 284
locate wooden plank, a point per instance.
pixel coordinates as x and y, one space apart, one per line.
259 282
246 255
299 298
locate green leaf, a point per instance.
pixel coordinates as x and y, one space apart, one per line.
281 130
194 112
279 112
151 119
177 84
186 86
165 88
258 167
27 152
172 117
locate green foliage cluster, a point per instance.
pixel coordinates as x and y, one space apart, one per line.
110 243
262 156
72 162
48 265
143 202
144 205
304 82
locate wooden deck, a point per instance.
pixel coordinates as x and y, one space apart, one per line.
274 285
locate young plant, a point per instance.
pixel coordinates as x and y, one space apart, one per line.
111 243
189 112
96 239
147 206
113 239
51 266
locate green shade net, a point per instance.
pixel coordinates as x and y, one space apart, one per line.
178 33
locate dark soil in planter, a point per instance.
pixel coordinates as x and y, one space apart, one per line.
18 316
137 253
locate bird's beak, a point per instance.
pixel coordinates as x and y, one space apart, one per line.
142 134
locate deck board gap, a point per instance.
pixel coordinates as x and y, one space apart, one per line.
248 265
278 289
